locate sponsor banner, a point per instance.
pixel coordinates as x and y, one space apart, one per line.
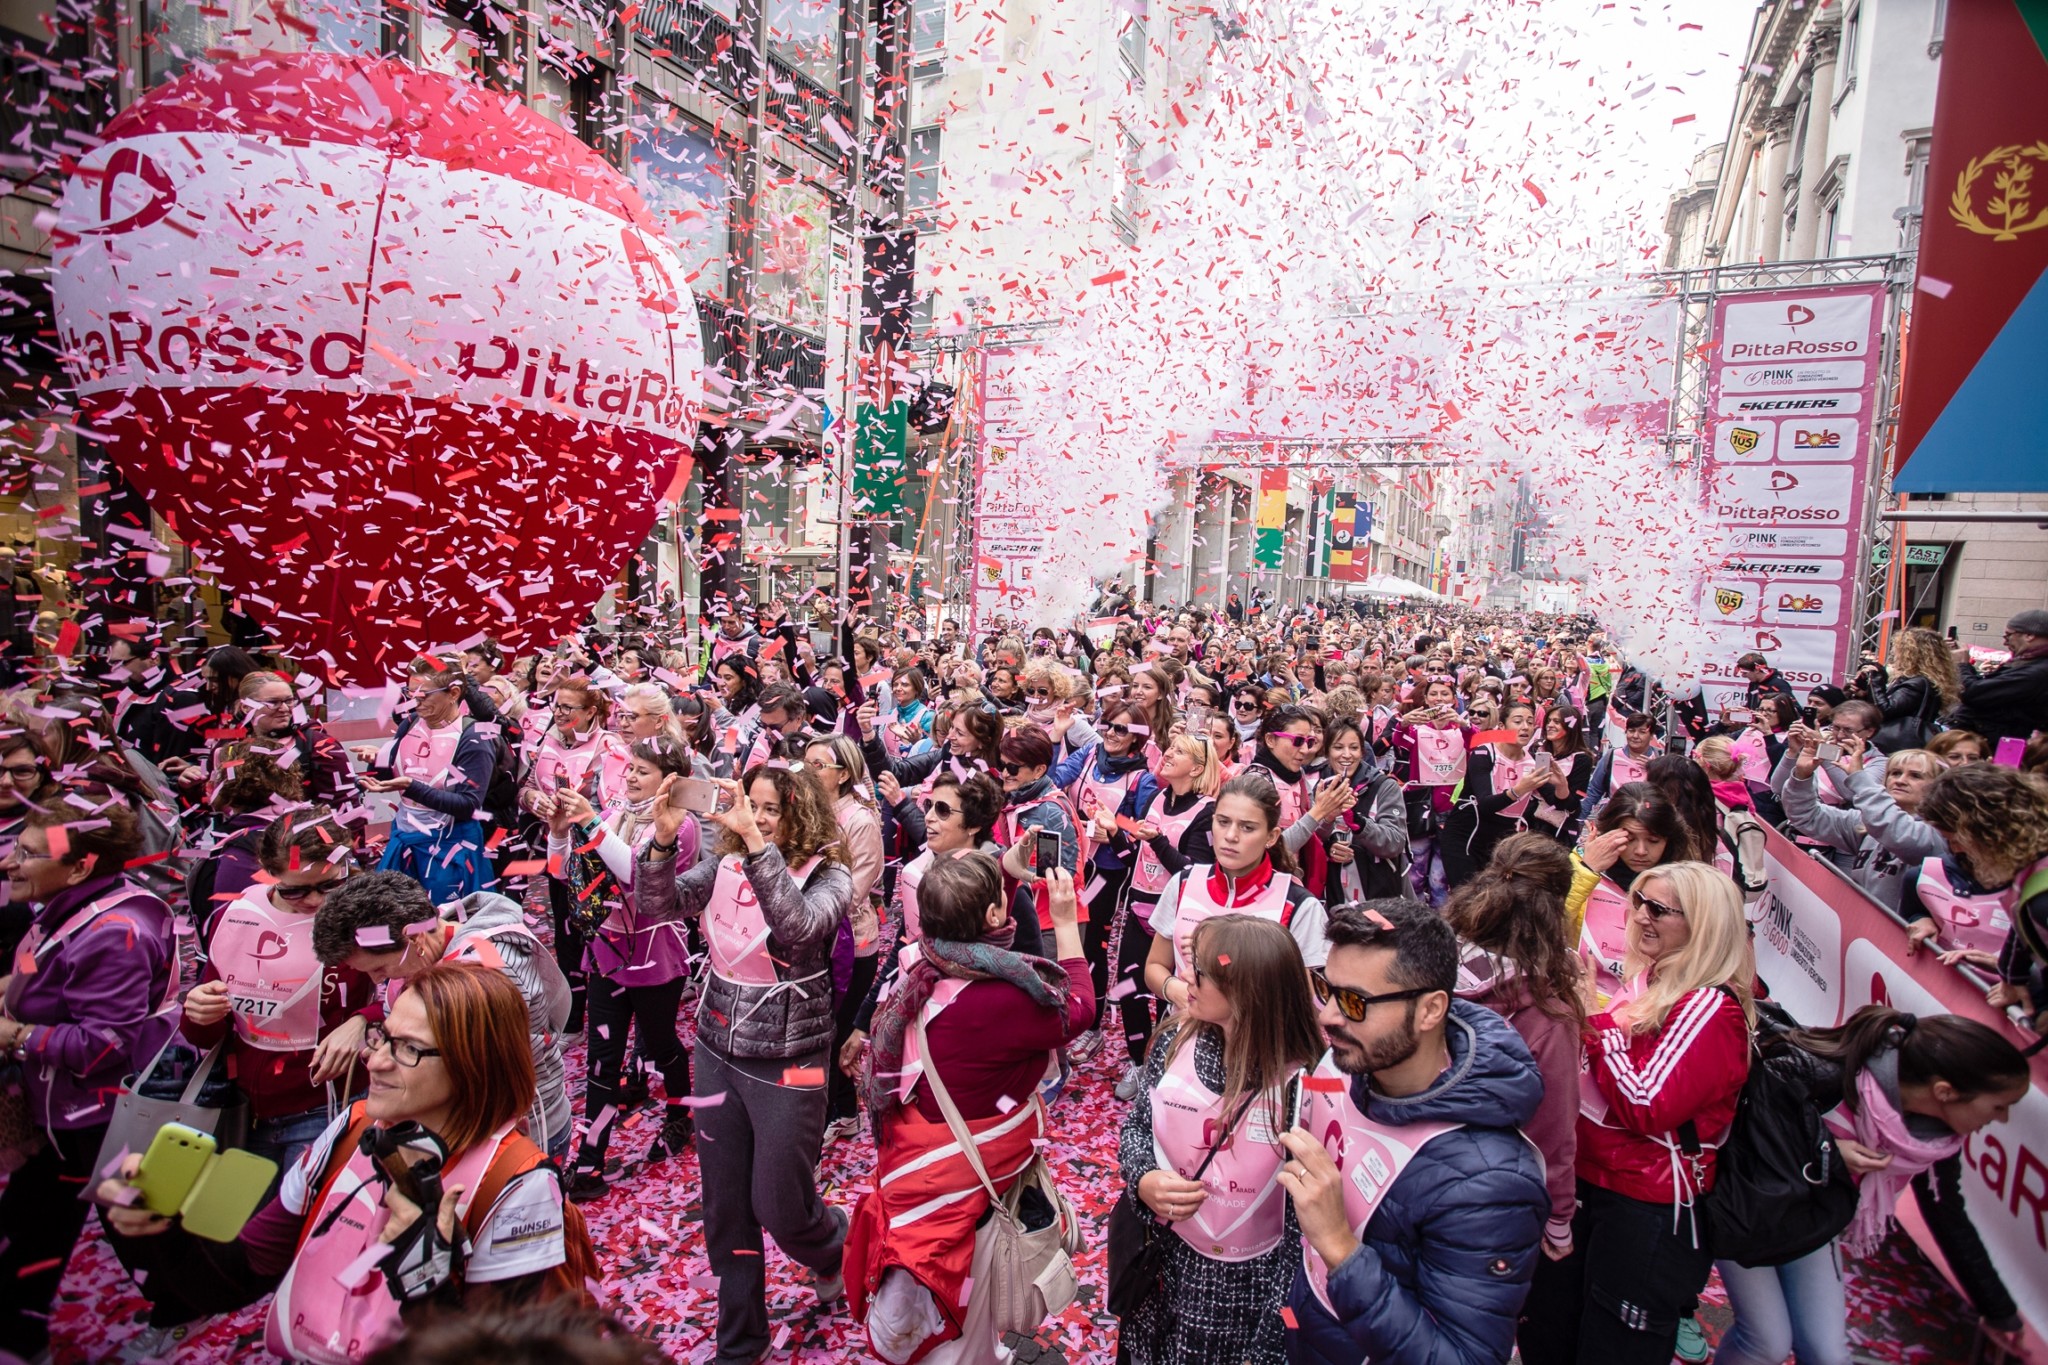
1014 509
1777 494
1789 404
1792 386
1837 374
1772 542
1826 951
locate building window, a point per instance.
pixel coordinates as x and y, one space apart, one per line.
928 26
1830 225
1845 65
804 36
177 33
1125 215
681 172
922 175
1131 43
793 223
571 99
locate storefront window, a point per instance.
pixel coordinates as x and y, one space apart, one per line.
804 35
792 256
181 32
681 172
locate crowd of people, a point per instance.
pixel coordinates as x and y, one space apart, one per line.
1417 947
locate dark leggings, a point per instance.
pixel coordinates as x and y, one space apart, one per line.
1617 1299
843 1101
613 1011
1102 911
1133 949
569 943
41 1216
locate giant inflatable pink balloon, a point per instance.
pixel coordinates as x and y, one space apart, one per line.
401 360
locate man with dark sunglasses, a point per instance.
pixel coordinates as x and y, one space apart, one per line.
1415 1109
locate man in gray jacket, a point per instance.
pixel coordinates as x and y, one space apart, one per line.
370 922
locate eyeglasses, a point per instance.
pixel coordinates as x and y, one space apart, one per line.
1657 909
942 810
1353 1004
404 1051
1011 769
559 706
1041 692
1245 704
1286 738
279 703
299 893
23 772
417 692
1116 730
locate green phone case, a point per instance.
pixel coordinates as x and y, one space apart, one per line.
172 1165
226 1194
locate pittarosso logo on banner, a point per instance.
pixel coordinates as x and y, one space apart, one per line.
1825 327
1842 374
1790 405
1775 494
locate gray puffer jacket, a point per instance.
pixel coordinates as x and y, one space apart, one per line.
487 915
793 1017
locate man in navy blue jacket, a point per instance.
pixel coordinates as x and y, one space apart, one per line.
1421 1205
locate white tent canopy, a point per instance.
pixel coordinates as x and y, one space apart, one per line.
1386 585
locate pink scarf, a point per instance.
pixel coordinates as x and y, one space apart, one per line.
1733 794
1879 1126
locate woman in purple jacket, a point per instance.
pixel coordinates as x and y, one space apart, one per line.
96 968
637 969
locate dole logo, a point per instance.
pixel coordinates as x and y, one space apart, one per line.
1816 440
1805 603
1783 481
1727 601
1797 315
163 195
1742 440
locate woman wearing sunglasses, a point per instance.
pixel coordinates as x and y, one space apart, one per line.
1665 1063
1223 1073
1106 782
1500 784
450 1078
1172 835
1636 830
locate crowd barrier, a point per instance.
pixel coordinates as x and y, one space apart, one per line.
1825 949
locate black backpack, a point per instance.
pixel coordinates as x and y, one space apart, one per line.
1781 1189
199 881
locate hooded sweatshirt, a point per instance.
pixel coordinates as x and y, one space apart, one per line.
1445 1263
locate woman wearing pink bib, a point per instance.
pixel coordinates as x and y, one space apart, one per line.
1252 875
450 1075
1431 742
1494 802
1201 1147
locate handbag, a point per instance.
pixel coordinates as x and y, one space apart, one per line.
187 1091
1137 1246
1024 1249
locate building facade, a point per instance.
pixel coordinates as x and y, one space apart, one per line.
1826 158
765 136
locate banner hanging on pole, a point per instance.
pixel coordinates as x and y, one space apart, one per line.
1271 522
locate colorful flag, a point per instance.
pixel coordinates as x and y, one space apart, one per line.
1272 517
1974 403
1343 514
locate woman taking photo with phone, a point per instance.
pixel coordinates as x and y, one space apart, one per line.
450 1078
1368 844
1555 811
1665 1063
1432 743
984 1021
1252 875
636 967
1201 1148
1902 1095
772 902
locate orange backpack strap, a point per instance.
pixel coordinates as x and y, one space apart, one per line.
337 1161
